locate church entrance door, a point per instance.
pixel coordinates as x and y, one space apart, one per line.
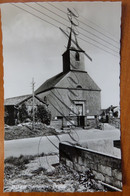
80 117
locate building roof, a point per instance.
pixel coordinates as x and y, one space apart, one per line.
16 100
110 108
50 83
19 99
85 80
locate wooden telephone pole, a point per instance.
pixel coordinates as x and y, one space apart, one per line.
33 109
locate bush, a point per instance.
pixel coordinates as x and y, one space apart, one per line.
43 114
23 114
19 161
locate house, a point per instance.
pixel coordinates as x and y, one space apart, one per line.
110 113
72 96
13 105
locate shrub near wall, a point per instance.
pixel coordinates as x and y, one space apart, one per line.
105 167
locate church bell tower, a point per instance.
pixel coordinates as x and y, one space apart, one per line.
73 57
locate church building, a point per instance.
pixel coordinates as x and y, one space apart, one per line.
72 96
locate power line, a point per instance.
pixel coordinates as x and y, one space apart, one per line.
66 26
89 43
33 113
35 15
44 14
92 27
98 42
97 47
51 11
98 36
57 8
78 27
58 27
88 31
94 30
114 39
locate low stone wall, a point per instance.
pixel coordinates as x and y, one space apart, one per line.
106 168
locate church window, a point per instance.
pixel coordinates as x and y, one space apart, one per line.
79 86
77 57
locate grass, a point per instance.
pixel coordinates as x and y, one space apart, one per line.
19 161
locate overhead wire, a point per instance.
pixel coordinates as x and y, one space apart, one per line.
35 15
54 26
67 26
91 26
56 7
79 26
58 27
51 11
98 47
90 44
98 36
113 39
45 14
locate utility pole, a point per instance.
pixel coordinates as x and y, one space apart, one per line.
33 113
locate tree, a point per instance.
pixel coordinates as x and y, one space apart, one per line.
43 114
23 113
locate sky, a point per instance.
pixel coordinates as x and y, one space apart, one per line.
33 48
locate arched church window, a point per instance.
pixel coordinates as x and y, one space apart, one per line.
77 57
79 86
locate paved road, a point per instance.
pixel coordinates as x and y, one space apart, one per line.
33 146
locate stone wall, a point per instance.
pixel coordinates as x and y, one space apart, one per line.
106 168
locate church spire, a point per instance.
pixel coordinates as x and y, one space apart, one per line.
69 41
72 41
73 57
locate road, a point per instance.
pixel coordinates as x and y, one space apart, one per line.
38 145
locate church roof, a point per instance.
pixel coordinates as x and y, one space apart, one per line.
50 83
85 80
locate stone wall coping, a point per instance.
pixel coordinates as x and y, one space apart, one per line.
110 186
93 151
